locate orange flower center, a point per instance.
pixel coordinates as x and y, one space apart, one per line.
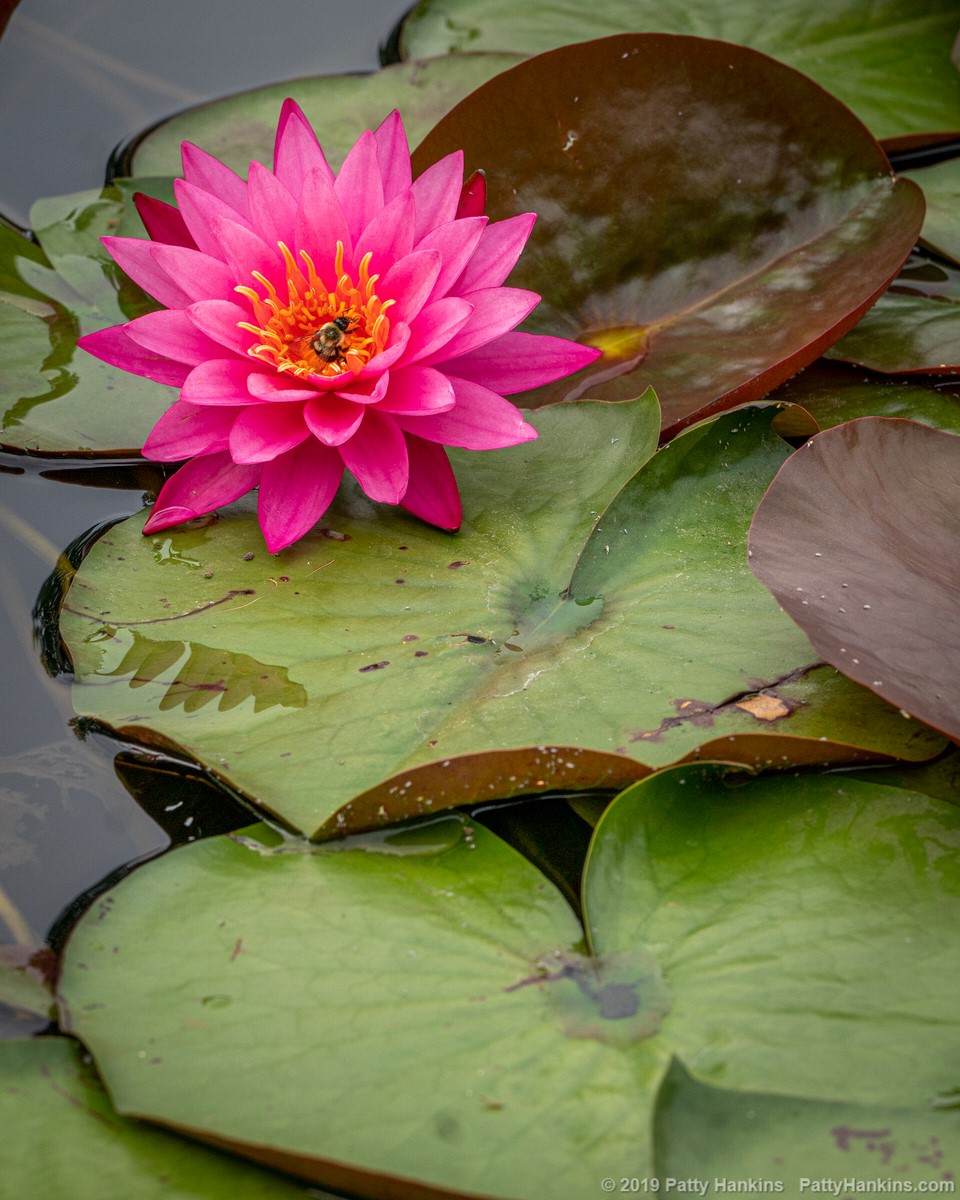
317 330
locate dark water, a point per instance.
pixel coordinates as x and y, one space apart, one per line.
76 80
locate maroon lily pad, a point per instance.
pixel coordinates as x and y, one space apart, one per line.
858 537
708 217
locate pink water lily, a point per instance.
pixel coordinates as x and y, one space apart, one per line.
315 321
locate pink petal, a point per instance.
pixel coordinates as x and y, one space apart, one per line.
438 323
495 310
185 431
473 196
367 391
170 332
377 456
202 214
134 256
389 236
211 175
200 276
163 222
409 281
296 151
199 487
333 419
219 381
245 252
263 431
437 193
497 253
321 224
456 242
393 156
399 338
432 493
114 347
359 186
219 320
280 389
273 211
480 420
516 362
295 491
418 390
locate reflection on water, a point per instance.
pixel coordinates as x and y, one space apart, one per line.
189 675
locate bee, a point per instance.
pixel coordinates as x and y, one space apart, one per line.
326 343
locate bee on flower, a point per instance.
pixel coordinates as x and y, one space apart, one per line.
316 322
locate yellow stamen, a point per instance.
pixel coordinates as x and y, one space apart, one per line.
284 330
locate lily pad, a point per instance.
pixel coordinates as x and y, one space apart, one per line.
941 190
63 1137
905 335
832 393
241 128
709 218
719 1134
25 980
859 540
587 621
436 1029
58 400
889 61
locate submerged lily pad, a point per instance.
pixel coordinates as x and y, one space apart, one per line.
859 540
63 1137
58 400
709 218
241 128
434 1023
587 621
888 60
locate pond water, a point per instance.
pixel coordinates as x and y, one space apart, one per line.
75 81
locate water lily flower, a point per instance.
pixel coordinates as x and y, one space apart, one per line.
316 321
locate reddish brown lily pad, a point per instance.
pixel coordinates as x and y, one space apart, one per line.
710 218
858 537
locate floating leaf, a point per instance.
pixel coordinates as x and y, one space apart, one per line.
57 399
711 268
582 625
941 190
64 1138
25 980
859 540
719 1134
904 335
434 1022
241 128
889 61
832 394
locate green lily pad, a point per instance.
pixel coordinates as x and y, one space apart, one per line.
858 537
25 979
905 335
434 1023
63 1137
832 393
241 128
708 1133
941 190
709 218
586 622
888 61
57 400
